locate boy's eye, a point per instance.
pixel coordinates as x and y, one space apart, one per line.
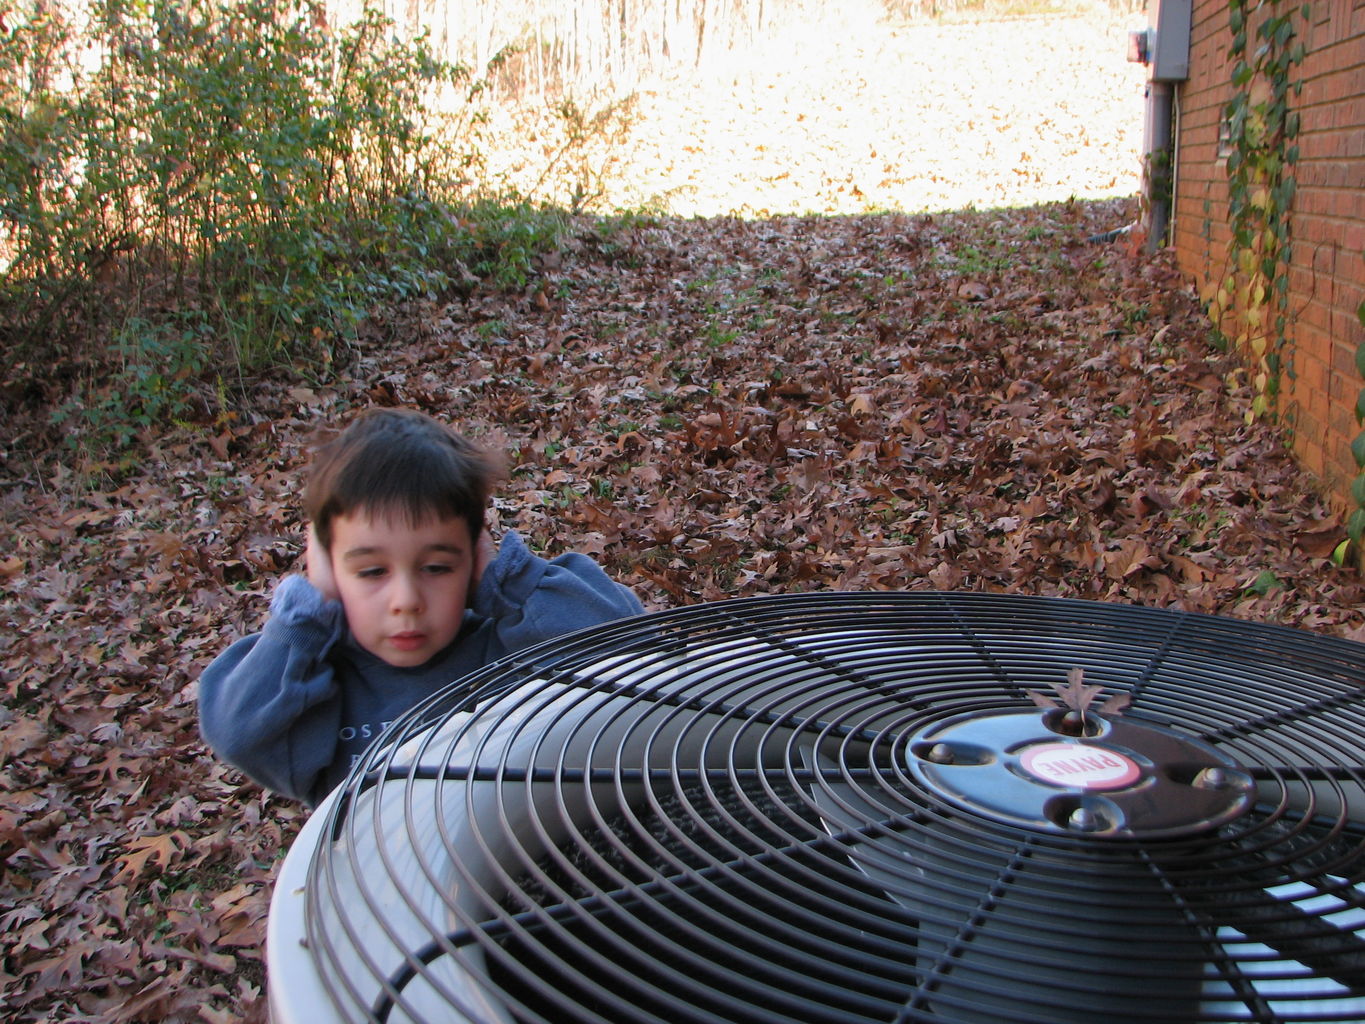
372 572
439 569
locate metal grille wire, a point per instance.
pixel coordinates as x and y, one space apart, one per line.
707 815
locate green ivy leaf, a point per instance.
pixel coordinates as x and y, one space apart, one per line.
1340 552
1355 526
1264 583
1358 450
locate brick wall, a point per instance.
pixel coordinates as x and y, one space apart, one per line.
1327 223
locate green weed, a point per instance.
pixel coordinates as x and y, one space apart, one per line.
228 185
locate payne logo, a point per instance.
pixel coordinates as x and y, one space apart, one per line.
1080 766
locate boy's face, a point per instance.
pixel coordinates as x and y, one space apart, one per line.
403 586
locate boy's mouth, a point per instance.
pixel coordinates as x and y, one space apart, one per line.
408 641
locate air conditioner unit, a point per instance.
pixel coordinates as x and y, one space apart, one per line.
852 807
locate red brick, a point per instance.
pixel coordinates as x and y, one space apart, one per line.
1350 294
1344 365
1327 277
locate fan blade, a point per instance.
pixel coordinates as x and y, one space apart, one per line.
1281 921
975 960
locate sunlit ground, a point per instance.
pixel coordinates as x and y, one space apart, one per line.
911 117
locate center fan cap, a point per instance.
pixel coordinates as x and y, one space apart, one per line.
1120 778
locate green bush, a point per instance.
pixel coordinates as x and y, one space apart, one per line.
227 184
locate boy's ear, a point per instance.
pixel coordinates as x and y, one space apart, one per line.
320 531
484 553
318 562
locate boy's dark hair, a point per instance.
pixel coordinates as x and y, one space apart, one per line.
402 463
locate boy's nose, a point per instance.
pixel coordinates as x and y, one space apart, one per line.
406 595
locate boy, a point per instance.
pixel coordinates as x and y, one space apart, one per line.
404 593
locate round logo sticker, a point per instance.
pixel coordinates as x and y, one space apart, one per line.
1080 766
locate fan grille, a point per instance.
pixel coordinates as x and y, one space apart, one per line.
716 814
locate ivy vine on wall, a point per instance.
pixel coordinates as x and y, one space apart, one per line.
1250 308
1355 526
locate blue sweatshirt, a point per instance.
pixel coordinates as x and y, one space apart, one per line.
295 705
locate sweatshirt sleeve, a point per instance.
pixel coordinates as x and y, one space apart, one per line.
530 599
270 703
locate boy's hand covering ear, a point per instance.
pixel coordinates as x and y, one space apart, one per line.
484 553
319 562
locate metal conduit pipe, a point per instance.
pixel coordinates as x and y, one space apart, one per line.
1159 143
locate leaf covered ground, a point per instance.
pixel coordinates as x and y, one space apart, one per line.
712 407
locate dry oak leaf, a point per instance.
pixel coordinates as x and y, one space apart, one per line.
1132 557
1077 695
63 969
161 849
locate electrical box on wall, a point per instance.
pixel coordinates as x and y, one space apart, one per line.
1168 40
